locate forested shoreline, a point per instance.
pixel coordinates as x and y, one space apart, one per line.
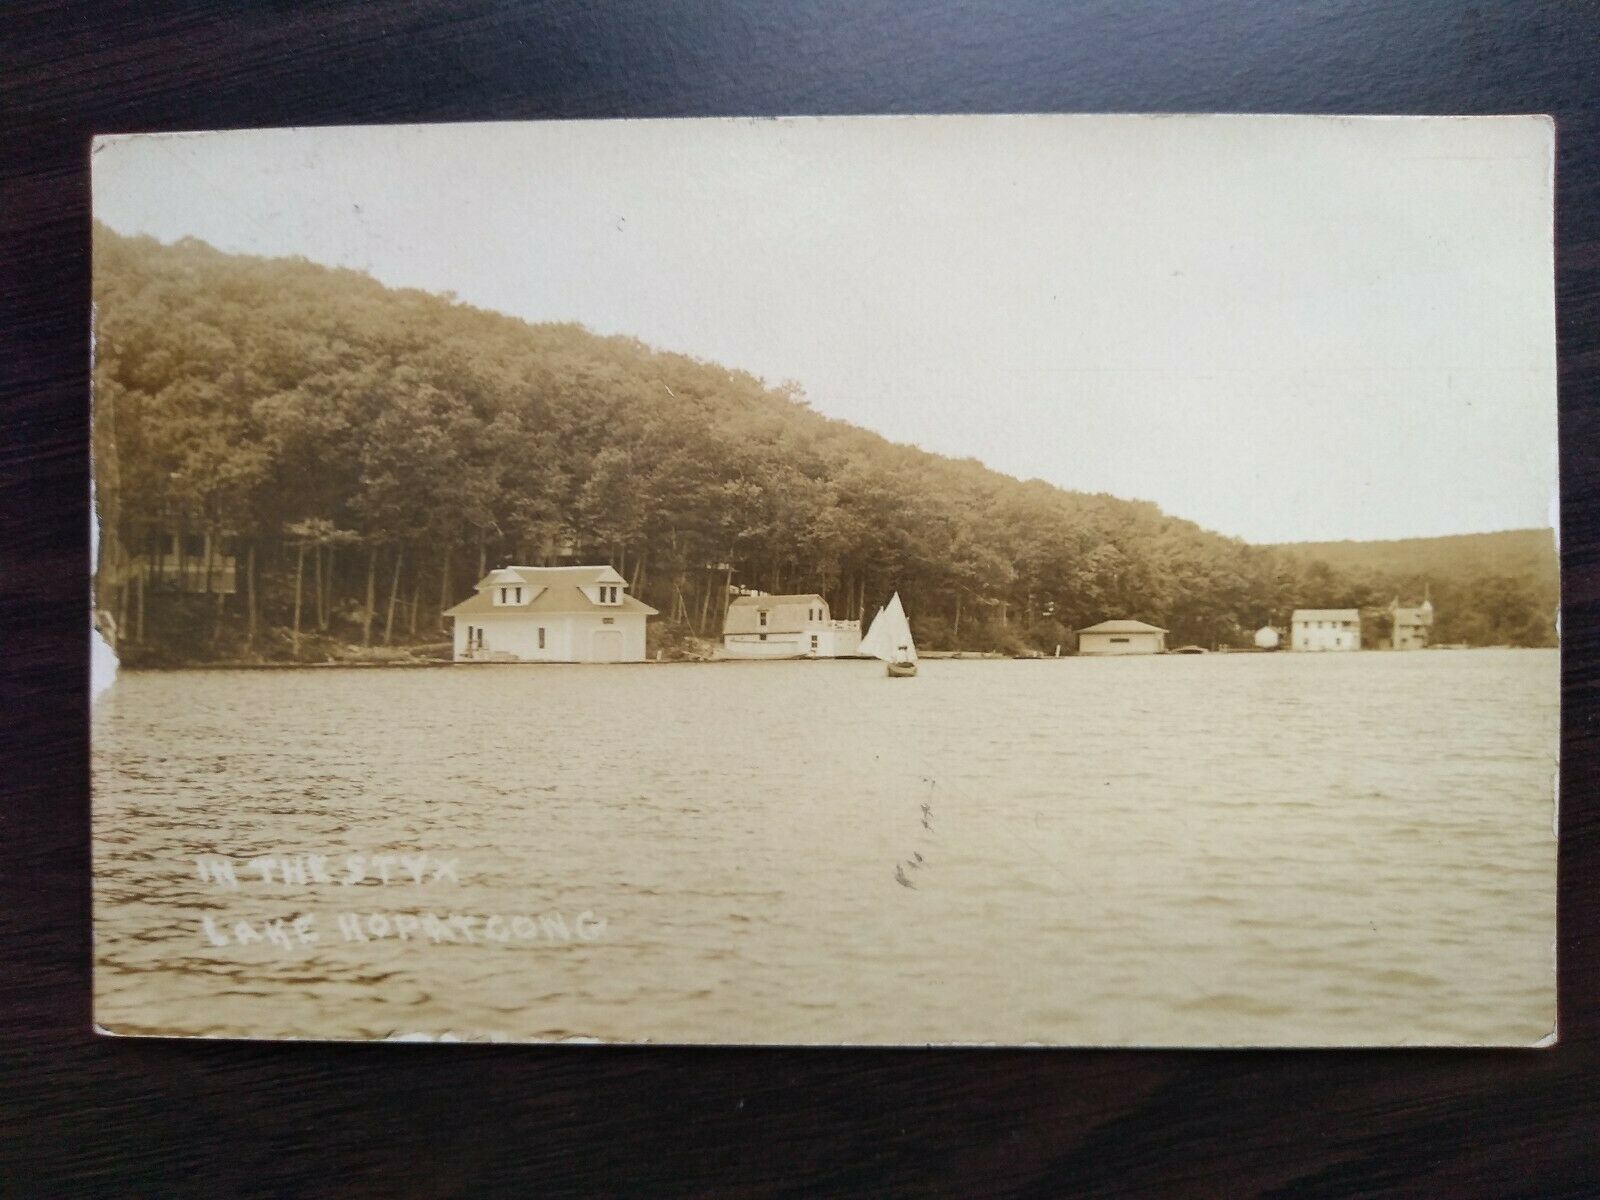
363 454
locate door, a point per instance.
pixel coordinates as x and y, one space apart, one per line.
606 646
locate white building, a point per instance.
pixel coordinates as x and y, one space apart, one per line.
1325 629
1122 637
1267 638
167 558
1410 628
796 626
550 614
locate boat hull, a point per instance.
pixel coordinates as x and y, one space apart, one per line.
902 670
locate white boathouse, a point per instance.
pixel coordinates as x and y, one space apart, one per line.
791 626
1122 637
550 614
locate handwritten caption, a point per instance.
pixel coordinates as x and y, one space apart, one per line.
284 873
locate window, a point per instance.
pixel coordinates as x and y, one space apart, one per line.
763 637
814 643
541 637
608 620
503 595
519 595
761 619
608 593
1116 641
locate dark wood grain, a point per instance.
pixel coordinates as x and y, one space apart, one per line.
83 1116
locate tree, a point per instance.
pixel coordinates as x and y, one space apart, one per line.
298 409
315 534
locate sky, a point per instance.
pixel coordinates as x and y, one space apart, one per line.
1284 329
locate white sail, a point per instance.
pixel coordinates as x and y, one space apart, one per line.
901 647
889 635
875 642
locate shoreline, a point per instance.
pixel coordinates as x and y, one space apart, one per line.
420 663
932 655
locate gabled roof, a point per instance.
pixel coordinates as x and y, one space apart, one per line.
774 601
1326 614
1122 627
551 576
560 592
1411 616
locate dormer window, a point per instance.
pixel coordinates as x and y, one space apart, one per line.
608 594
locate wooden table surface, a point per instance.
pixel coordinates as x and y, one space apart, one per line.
83 1116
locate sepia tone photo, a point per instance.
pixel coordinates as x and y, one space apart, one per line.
1003 580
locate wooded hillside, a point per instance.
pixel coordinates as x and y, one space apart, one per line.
1526 553
366 453
1488 588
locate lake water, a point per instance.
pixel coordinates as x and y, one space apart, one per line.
1221 849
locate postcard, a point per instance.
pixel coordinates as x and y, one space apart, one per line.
960 580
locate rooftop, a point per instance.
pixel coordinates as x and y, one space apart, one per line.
772 601
551 576
1122 627
560 592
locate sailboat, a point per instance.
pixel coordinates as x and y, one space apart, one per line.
889 638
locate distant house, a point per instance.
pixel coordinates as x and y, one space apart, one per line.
550 614
1325 629
170 558
796 626
1122 637
1267 638
1410 627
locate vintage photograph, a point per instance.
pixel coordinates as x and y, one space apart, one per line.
979 580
